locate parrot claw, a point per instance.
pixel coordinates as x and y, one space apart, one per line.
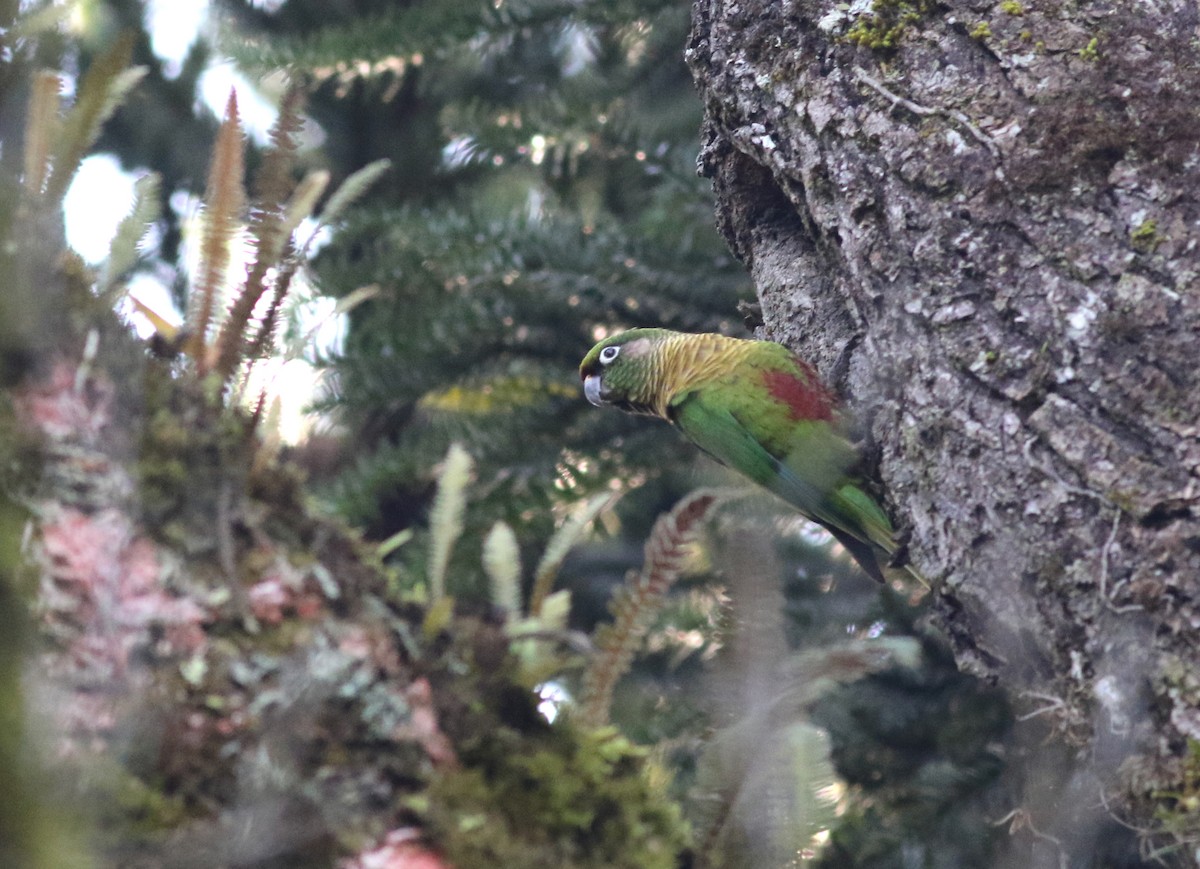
899 555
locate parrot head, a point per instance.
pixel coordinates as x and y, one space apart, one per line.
619 371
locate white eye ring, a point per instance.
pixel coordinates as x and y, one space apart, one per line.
608 354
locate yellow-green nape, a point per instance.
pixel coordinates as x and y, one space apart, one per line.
591 362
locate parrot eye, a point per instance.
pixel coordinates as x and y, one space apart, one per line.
608 354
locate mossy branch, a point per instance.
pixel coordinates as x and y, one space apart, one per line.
635 605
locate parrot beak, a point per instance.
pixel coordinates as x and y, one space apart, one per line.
591 389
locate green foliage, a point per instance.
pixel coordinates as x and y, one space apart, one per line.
123 252
1177 811
385 31
578 799
919 745
543 188
638 601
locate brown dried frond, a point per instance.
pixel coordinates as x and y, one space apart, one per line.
41 129
636 604
223 201
269 233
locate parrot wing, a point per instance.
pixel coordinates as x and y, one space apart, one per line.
812 479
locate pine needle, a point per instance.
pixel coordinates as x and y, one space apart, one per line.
446 516
502 563
223 201
41 128
101 90
560 544
634 605
123 250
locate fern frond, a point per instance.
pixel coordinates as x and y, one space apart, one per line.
271 441
352 189
502 563
772 788
301 204
303 201
264 339
223 200
268 234
41 129
634 605
32 23
101 90
344 305
164 327
560 544
771 772
123 250
446 516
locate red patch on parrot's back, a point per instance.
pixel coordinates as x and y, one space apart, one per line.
806 397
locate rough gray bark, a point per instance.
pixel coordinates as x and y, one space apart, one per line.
986 235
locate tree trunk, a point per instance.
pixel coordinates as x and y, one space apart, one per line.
980 222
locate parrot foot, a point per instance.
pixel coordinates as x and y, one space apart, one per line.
751 314
899 555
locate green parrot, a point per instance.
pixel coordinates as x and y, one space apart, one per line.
756 407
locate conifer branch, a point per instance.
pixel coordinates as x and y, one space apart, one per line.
634 605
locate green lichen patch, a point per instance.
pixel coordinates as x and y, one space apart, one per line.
885 25
1178 807
1145 235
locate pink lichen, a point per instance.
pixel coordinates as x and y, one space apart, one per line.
102 585
281 592
61 408
423 726
400 849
